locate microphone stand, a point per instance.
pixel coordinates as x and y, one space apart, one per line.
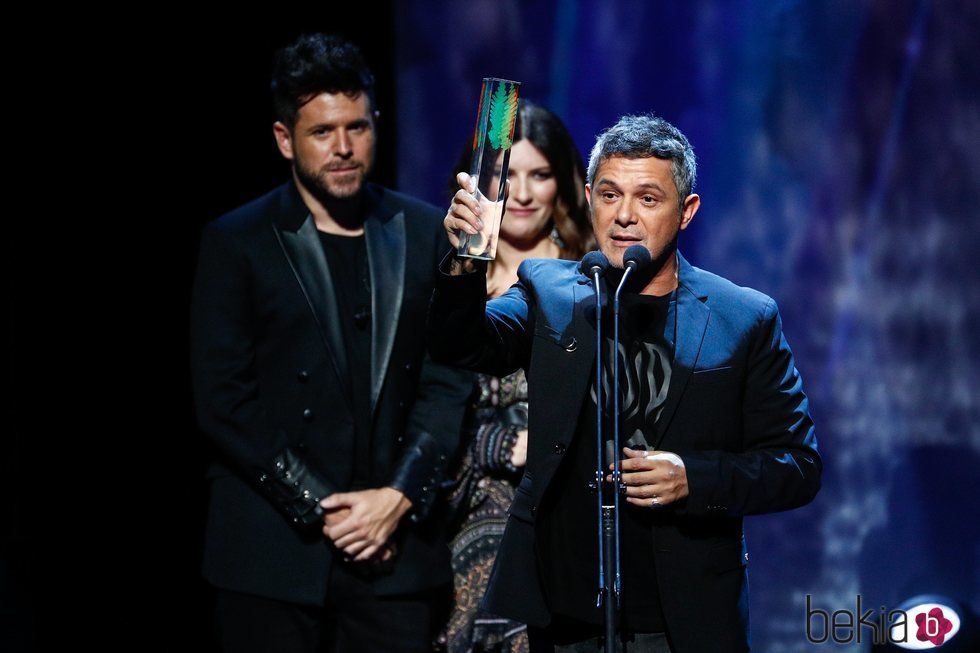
604 532
606 594
608 523
608 531
610 584
610 514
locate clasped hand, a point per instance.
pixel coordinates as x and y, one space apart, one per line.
360 523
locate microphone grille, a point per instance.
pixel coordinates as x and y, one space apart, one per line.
593 260
637 257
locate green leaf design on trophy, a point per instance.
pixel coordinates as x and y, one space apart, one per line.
503 112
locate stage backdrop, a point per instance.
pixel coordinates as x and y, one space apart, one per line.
838 170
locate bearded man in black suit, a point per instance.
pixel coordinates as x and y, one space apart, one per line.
333 430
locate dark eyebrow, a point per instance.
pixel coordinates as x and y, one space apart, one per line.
606 182
645 186
357 122
652 185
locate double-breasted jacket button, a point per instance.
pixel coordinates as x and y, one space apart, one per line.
302 376
308 415
559 448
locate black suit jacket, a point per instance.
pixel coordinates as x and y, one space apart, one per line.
735 413
269 375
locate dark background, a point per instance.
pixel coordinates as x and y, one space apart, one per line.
839 173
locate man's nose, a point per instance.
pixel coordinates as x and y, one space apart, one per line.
344 146
624 216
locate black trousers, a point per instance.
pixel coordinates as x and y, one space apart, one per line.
354 620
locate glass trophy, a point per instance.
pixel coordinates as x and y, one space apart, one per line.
492 138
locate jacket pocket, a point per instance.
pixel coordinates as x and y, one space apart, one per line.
564 340
713 376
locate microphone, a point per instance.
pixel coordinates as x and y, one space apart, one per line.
594 263
636 257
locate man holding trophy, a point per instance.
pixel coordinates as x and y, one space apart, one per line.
699 379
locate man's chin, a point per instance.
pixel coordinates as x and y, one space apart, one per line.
615 257
341 189
345 187
614 254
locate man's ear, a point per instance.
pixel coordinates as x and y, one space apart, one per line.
284 139
691 205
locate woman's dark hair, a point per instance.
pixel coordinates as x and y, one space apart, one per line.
546 132
314 64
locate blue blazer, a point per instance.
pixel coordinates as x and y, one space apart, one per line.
735 413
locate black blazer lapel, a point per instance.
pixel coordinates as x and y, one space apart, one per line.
692 321
297 235
386 259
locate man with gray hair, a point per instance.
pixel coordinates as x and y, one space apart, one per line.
711 410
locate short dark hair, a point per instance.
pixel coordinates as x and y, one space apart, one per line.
314 64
